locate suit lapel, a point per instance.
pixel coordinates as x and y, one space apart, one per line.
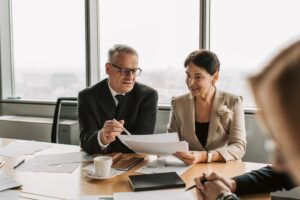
106 101
214 117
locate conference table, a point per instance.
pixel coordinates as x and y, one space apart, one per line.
74 185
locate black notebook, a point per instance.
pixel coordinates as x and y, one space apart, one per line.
155 181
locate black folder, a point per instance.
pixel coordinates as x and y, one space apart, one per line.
155 181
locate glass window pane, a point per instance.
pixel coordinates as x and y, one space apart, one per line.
163 33
48 48
245 34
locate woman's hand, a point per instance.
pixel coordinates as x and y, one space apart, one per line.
191 157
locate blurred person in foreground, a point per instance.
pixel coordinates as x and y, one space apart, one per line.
210 120
276 91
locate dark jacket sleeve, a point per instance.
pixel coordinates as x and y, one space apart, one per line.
263 180
88 126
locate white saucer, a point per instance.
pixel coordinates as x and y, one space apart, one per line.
89 171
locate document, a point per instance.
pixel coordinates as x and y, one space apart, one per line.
164 164
7 183
16 149
32 166
157 144
96 197
150 195
9 195
55 163
63 158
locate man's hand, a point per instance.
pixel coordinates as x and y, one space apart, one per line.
110 130
212 189
191 157
213 184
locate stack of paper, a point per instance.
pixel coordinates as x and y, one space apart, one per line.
6 182
150 195
157 144
16 149
164 164
55 163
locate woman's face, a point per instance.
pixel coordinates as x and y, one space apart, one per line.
273 116
198 80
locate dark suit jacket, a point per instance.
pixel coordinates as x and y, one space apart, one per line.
96 105
263 180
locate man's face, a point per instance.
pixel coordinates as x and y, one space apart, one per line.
286 145
121 83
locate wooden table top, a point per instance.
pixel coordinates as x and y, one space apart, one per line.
73 185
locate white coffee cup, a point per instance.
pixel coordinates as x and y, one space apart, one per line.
102 166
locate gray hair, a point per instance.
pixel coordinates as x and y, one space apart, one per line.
120 48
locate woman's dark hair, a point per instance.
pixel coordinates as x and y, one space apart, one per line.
204 59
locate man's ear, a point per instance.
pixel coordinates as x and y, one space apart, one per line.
107 68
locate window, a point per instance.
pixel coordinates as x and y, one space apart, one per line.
48 48
245 34
163 33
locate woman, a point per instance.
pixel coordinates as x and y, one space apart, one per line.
211 121
276 91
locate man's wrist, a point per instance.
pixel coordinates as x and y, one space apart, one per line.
226 196
101 144
232 185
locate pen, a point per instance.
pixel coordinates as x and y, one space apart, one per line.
125 130
19 163
1 164
193 186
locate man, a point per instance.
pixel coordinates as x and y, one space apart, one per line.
115 103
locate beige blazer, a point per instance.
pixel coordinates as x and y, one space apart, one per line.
226 132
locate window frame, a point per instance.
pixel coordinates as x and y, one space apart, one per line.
92 28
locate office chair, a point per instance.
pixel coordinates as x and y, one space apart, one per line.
57 115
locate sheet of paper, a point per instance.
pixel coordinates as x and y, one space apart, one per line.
164 164
96 197
32 166
7 183
162 137
16 149
157 148
155 194
62 158
9 195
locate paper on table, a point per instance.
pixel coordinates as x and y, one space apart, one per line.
164 164
6 182
32 166
9 195
157 148
96 197
150 195
63 158
16 149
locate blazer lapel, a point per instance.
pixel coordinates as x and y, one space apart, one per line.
214 117
106 101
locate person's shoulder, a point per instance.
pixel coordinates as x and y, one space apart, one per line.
231 98
142 88
93 89
181 98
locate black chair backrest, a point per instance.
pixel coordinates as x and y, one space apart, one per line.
56 116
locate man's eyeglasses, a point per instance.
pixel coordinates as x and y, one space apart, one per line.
125 71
